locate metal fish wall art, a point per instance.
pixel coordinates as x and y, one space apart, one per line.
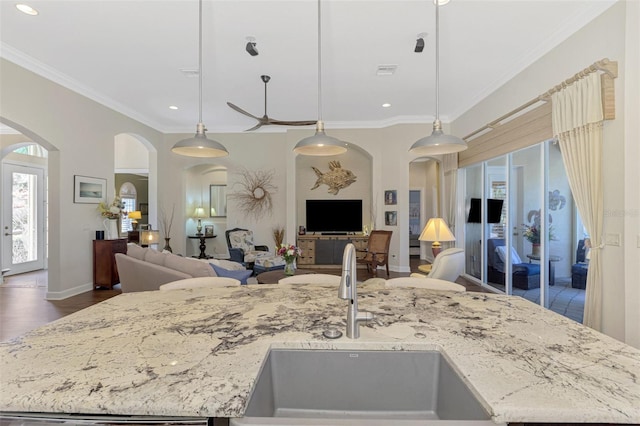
336 178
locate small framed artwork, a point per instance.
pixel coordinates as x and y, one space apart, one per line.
391 218
390 197
144 208
89 190
208 230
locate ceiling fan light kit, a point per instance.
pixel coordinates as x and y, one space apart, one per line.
320 144
438 142
199 145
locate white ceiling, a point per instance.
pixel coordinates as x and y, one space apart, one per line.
128 55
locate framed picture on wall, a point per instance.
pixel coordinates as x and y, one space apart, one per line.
144 208
390 197
89 190
391 218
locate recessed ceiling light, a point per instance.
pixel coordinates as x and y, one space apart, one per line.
25 8
173 107
386 105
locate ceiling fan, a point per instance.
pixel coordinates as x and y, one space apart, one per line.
265 120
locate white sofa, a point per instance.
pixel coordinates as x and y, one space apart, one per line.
145 269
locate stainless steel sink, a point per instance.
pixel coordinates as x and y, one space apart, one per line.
360 387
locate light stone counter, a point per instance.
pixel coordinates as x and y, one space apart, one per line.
198 352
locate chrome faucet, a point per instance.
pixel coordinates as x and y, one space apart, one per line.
349 292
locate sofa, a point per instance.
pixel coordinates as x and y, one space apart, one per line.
145 269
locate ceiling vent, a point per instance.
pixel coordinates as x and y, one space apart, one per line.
386 69
189 72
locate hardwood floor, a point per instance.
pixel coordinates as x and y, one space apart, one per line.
23 306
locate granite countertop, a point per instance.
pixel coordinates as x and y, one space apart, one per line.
197 352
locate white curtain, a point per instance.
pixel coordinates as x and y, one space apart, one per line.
577 124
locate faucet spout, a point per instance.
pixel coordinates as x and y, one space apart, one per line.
348 291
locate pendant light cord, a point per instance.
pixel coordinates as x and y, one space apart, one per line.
437 60
319 63
200 62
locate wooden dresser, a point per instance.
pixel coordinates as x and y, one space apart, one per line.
318 250
105 272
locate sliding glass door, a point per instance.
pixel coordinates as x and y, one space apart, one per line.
522 232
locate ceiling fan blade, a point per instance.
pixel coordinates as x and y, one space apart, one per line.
292 123
257 126
241 111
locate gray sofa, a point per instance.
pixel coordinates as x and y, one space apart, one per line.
144 269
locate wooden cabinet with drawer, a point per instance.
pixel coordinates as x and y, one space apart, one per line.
105 272
318 250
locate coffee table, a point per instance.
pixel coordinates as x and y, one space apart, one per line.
272 277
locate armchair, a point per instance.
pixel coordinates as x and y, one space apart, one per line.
377 252
447 266
524 275
241 246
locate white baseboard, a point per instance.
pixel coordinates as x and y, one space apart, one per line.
60 295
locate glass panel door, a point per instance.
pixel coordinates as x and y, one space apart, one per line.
23 227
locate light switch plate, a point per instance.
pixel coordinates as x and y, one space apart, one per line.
612 240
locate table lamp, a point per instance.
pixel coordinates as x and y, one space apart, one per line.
134 216
149 237
199 213
436 231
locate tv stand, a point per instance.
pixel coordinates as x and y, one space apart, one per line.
321 250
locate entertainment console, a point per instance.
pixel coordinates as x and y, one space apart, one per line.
319 250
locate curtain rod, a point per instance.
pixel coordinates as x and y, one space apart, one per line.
608 67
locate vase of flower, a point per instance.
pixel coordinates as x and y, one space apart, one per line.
111 228
290 267
535 249
167 247
289 253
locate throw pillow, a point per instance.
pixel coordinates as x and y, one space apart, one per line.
155 257
136 251
502 254
241 276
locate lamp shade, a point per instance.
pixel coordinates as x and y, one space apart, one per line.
135 215
148 237
436 231
199 212
438 143
320 144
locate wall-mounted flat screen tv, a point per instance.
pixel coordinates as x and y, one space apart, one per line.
494 210
334 216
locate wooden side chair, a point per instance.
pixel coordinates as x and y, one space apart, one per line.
377 251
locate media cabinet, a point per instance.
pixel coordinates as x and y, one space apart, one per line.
319 250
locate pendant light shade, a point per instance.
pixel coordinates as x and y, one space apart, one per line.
438 142
199 145
320 144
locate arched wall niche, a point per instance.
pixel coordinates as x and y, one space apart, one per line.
356 160
198 179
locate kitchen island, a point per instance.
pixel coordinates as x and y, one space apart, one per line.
198 352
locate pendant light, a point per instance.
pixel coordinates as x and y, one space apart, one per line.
320 143
438 142
199 145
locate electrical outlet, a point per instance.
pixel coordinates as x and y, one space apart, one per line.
612 240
